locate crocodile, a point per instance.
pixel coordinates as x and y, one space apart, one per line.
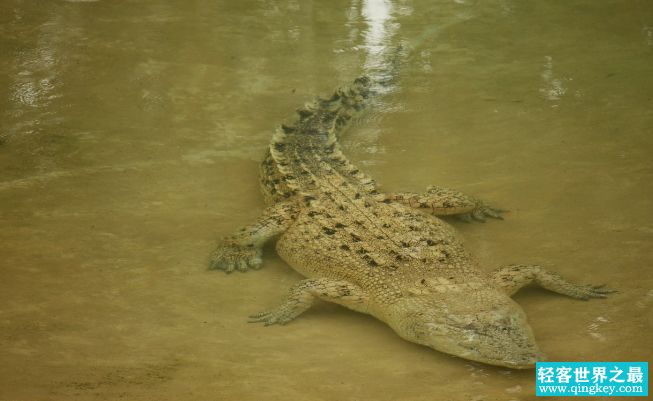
387 254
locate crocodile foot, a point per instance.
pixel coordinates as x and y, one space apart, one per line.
513 277
587 291
229 257
482 211
278 315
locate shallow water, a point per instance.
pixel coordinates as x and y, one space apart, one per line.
130 138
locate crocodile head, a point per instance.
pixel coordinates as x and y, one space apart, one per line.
491 329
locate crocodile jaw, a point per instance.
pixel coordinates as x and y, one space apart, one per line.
496 333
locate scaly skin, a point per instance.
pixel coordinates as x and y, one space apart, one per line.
380 253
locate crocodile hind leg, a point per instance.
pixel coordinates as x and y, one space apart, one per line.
513 277
445 201
301 297
244 248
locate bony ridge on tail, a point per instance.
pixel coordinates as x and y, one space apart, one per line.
381 253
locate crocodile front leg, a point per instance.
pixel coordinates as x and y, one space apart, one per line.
513 277
244 248
301 297
445 201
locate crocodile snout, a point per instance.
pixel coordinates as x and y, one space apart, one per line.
526 361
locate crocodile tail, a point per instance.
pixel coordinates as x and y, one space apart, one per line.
311 143
330 116
313 137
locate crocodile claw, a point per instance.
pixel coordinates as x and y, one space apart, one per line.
229 257
270 317
588 291
482 211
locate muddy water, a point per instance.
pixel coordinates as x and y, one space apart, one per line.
129 142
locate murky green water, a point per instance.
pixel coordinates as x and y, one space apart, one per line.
130 137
